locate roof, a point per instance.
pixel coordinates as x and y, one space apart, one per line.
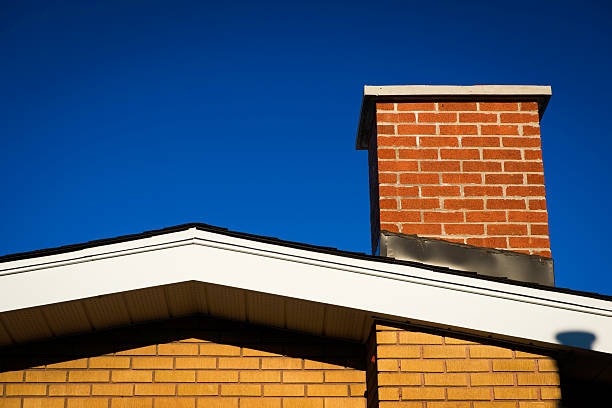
415 93
198 268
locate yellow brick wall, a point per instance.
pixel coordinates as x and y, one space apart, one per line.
421 370
230 366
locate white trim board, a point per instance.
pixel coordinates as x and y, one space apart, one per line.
399 291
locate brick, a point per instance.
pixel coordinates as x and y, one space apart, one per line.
385 130
483 191
416 129
327 390
420 203
154 389
461 178
403 404
551 393
176 376
422 366
513 365
491 378
417 153
401 351
515 393
458 130
505 204
532 154
457 106
345 403
519 118
303 376
152 362
489 352
45 376
464 229
131 403
525 191
345 376
318 365
238 362
387 153
400 216
481 166
495 404
402 191
385 117
507 229
408 337
79 363
422 393
283 390
547 365
531 130
438 141
538 379
466 365
178 349
260 402
389 227
87 402
357 389
538 404
443 217
463 203
523 166
444 352
399 379
446 379
284 363
478 117
12 376
67 389
499 130
501 154
259 376
175 402
112 389
35 403
529 106
109 362
384 364
386 338
440 191
490 242
485 216
387 178
388 394
448 404
241 389
535 179
385 106
528 242
469 393
89 376
537 204
480 141
503 179
25 389
302 403
521 142
387 203
416 106
440 166
396 141
437 117
527 216
219 376
198 389
498 106
132 376
398 165
139 351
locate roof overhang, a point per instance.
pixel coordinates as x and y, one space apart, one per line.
418 93
194 270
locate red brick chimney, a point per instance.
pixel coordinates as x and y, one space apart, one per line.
460 163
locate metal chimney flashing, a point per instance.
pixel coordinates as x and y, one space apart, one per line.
482 261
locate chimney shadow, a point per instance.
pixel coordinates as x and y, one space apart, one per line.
580 339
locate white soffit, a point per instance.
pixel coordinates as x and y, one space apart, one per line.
377 288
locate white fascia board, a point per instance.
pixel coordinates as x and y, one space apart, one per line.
457 90
404 292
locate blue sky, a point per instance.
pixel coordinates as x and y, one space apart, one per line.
120 117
